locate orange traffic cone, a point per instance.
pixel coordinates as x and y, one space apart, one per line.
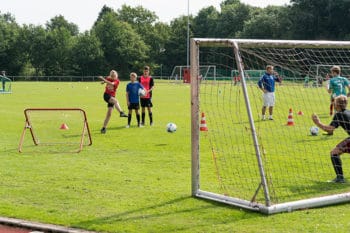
203 125
300 113
290 118
64 126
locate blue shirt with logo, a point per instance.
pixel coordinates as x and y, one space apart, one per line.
133 90
267 82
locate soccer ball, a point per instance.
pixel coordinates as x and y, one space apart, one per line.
142 92
171 127
314 130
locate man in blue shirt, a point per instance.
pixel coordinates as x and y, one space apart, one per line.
267 84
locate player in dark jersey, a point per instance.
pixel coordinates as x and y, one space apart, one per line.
112 83
341 118
146 101
133 99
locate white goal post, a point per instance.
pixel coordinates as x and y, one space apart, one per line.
264 166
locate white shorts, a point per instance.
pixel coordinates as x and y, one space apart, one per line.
269 99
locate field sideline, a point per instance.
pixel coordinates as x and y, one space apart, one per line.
129 180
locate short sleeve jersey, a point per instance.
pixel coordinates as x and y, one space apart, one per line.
148 83
338 85
342 119
133 92
267 82
112 90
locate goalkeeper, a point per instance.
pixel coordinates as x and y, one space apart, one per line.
341 118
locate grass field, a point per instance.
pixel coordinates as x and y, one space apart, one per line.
129 180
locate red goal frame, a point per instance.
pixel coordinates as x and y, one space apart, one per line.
28 125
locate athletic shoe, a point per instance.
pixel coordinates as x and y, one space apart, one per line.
141 125
270 118
122 114
151 124
103 130
127 126
338 180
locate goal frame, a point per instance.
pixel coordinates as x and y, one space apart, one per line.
267 207
28 125
181 69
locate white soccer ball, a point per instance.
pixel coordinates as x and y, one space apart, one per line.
142 92
171 127
314 130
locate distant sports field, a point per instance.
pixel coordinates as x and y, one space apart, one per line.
129 180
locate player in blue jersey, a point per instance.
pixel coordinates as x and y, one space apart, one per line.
133 98
337 86
267 84
341 118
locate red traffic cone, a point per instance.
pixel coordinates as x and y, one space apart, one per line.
203 125
300 113
64 126
290 118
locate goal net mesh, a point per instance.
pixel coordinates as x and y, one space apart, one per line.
295 165
61 128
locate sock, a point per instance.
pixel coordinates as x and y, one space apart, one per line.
143 118
129 119
138 119
337 165
150 117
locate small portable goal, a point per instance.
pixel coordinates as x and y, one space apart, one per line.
60 127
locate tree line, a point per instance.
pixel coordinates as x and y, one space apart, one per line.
130 37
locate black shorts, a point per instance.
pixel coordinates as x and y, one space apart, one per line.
107 97
146 102
135 106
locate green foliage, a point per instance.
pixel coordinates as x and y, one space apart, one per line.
87 54
122 46
59 22
131 37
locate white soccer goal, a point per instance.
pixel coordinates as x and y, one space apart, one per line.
182 73
63 128
266 166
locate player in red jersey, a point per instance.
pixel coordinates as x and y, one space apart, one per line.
112 83
147 82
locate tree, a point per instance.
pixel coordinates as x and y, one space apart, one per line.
123 48
320 19
59 22
11 58
176 47
231 19
204 24
144 22
267 23
87 54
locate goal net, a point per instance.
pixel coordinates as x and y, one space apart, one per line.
182 73
268 166
65 129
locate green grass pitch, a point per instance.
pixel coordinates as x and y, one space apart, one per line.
129 180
